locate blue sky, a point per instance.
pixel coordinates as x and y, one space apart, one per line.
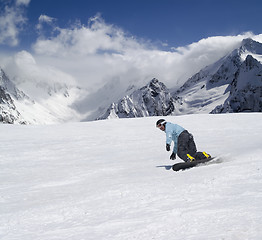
93 43
174 22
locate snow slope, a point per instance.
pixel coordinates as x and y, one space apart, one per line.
100 181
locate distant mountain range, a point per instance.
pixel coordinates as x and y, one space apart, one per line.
232 84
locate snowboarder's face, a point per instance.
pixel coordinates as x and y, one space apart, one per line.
161 127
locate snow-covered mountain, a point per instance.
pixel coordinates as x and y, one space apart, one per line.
232 84
37 102
245 89
154 99
8 94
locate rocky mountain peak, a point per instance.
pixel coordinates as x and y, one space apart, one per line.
249 45
4 81
155 87
251 62
154 99
8 92
10 87
156 84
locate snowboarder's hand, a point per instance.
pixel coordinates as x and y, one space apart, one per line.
168 147
173 156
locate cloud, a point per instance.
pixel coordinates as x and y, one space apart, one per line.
98 53
42 20
258 38
80 40
45 18
22 2
29 74
93 53
28 69
12 20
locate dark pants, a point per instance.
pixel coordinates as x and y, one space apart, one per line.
186 145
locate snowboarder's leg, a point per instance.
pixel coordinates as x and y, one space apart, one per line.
192 146
186 145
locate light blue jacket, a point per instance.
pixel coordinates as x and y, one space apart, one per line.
172 133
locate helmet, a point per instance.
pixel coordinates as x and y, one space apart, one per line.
160 122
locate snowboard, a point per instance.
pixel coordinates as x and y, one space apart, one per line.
185 165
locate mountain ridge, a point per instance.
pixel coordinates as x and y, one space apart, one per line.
212 88
218 84
151 100
231 84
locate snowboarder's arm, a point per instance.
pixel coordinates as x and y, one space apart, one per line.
175 146
168 138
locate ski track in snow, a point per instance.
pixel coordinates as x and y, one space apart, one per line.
99 180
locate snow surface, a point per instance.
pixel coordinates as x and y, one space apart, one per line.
100 180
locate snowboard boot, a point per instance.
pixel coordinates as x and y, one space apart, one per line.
190 158
202 156
207 155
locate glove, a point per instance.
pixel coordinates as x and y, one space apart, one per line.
173 156
168 147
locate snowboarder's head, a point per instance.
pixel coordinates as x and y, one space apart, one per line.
161 124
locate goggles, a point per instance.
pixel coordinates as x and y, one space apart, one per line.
161 124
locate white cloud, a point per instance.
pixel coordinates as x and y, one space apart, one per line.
84 40
22 2
24 67
28 68
12 20
46 26
28 73
98 53
45 18
258 38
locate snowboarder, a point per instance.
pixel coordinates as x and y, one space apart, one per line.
184 145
